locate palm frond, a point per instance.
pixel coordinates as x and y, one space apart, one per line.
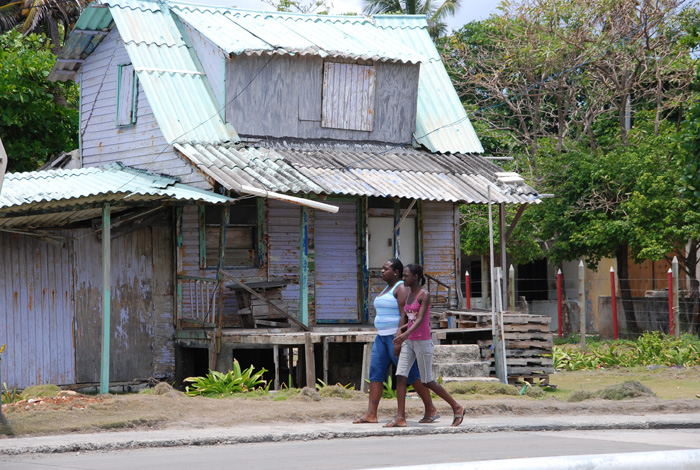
10 16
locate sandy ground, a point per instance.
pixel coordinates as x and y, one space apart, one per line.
65 414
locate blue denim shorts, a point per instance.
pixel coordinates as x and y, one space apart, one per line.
383 356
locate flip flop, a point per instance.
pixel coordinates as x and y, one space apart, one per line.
363 420
458 418
394 424
429 419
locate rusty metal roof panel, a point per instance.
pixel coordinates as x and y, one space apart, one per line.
257 32
59 195
359 170
442 124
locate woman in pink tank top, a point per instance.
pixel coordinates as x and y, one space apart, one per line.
416 344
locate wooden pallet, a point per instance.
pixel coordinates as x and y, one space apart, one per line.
528 341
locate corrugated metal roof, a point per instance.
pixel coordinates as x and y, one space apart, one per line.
442 124
165 65
360 170
257 32
56 197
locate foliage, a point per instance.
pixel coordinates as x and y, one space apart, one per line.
27 104
41 16
9 396
2 348
389 391
435 13
217 384
320 7
649 349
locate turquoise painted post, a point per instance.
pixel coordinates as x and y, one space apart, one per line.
304 266
106 297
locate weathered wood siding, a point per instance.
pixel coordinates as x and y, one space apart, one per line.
102 141
141 308
36 312
283 255
283 98
337 272
439 242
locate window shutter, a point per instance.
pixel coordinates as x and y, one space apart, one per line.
348 96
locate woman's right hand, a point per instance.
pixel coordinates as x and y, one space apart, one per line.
397 349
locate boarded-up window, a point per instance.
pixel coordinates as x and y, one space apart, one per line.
126 95
241 235
348 96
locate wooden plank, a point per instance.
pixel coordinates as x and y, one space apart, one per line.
310 361
255 294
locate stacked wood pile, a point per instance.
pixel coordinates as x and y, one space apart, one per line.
528 342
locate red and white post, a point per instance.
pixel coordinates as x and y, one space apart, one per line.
559 301
468 290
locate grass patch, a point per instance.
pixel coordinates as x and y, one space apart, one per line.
38 391
624 391
480 388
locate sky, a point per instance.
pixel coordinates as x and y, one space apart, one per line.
471 9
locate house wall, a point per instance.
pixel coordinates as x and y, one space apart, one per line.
141 344
36 312
141 145
281 96
440 245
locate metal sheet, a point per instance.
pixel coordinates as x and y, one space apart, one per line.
257 32
335 243
52 197
359 170
36 312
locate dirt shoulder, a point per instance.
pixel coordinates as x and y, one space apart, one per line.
66 414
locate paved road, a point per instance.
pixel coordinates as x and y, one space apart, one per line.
368 452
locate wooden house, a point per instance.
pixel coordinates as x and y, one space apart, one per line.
286 114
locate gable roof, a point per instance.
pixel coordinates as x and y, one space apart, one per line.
358 170
60 197
180 95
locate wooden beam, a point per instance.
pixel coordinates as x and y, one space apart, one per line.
518 214
310 361
304 266
106 298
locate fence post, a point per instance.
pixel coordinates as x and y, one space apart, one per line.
676 299
468 290
670 301
511 288
559 303
582 304
614 302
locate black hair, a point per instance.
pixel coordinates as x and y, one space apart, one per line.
417 270
396 265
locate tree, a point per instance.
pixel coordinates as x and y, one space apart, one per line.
435 13
27 105
37 16
565 81
321 7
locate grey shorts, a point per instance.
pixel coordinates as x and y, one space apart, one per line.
421 352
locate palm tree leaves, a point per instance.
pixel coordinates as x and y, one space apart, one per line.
435 14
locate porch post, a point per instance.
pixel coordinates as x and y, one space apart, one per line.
304 267
106 296
504 286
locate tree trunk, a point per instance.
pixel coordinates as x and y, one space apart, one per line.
622 255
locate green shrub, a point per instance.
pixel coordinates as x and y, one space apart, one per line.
217 384
651 348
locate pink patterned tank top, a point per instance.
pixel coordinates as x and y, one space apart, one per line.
422 332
